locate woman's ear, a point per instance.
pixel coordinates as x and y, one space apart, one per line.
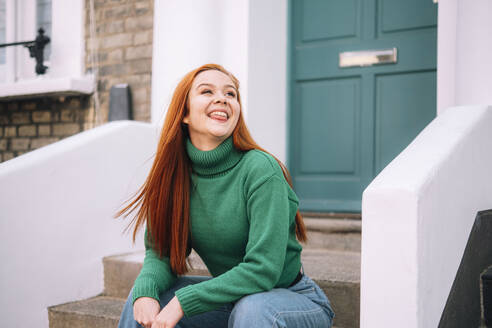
186 118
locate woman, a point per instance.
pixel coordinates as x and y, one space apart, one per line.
213 189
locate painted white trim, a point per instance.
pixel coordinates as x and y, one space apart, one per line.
25 25
464 71
267 75
42 86
67 44
8 69
446 54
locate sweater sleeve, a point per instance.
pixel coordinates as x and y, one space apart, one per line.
261 267
156 275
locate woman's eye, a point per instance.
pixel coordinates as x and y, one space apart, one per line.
206 91
232 94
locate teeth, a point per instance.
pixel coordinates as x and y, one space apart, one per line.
219 114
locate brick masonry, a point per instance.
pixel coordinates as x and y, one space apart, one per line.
34 123
123 48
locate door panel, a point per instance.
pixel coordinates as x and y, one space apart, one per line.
346 124
402 101
331 109
397 15
330 19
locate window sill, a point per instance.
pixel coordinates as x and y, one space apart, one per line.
43 86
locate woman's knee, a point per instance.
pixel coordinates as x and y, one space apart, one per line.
278 308
250 304
252 311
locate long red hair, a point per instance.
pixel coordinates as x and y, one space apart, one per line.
163 201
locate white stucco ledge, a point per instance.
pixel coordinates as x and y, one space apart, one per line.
121 134
417 215
43 86
57 207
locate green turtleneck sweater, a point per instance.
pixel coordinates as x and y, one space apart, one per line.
242 214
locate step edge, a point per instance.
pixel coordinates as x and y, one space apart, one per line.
57 308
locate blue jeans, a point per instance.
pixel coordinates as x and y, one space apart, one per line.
302 305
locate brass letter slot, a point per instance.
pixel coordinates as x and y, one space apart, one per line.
367 57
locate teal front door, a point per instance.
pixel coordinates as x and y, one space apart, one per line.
348 122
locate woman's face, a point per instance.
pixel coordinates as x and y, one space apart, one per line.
213 109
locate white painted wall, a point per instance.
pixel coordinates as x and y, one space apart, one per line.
247 37
464 70
446 54
418 213
267 75
56 209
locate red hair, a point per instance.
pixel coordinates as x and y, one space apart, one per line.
163 201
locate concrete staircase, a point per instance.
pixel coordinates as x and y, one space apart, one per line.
332 259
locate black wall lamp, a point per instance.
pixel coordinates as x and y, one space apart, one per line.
36 49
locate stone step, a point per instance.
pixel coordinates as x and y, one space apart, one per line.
330 234
332 215
120 271
336 272
96 312
333 233
331 258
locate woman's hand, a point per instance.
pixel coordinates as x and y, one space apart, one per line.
170 315
145 310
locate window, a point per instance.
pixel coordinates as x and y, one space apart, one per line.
43 20
19 21
63 23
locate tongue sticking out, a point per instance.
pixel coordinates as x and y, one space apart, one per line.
218 117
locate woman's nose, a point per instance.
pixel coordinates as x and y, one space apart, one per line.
221 99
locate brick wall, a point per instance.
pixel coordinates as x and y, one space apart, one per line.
29 124
123 47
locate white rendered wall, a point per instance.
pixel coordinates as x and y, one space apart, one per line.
56 217
267 75
418 213
446 54
247 37
464 69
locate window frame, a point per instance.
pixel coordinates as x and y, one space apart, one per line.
7 70
4 40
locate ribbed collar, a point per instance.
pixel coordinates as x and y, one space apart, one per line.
214 161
